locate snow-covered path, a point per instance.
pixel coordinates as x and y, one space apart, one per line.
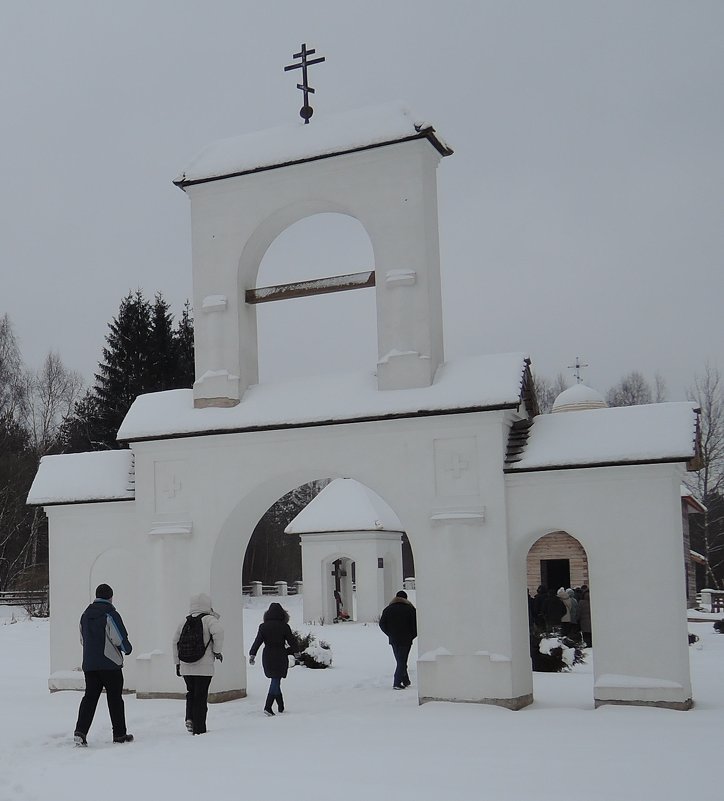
348 736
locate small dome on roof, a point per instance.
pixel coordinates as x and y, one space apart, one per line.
577 398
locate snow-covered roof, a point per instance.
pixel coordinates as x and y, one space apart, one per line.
327 136
691 499
465 384
578 397
83 478
345 505
659 432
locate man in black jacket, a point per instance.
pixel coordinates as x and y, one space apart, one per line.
105 640
399 622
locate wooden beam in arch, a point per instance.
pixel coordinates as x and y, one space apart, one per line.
317 286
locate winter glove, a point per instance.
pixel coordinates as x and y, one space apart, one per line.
220 657
178 670
251 660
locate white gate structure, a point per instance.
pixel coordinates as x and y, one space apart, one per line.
455 448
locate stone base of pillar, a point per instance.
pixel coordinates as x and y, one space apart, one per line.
507 703
681 706
479 678
214 698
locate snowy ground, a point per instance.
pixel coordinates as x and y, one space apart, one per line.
348 736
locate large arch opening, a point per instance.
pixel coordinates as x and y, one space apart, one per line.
308 336
559 614
243 606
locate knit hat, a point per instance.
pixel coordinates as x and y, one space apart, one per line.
104 591
401 594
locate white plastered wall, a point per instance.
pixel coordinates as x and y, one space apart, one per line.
198 500
89 544
628 521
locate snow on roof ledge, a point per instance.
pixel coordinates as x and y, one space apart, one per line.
658 432
327 136
464 384
83 478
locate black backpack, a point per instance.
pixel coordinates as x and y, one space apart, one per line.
191 645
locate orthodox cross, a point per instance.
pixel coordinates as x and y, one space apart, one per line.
576 367
306 111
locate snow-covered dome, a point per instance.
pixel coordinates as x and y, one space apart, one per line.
577 398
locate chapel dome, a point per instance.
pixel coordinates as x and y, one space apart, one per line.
577 398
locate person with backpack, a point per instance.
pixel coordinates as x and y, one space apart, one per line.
274 634
197 644
105 640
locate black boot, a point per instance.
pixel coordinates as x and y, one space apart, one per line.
280 702
268 706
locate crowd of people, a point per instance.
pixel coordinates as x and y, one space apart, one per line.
196 647
567 611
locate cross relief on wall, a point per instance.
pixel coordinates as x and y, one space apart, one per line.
456 466
169 478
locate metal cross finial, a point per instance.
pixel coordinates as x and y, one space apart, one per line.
306 111
576 367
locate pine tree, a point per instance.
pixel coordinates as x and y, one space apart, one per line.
184 337
143 353
162 370
126 367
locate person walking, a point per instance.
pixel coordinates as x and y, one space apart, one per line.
200 639
105 641
274 634
399 622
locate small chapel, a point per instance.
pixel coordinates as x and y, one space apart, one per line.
454 447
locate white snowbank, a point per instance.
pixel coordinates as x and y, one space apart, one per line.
346 732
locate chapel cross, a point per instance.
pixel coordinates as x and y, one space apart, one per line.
306 111
576 367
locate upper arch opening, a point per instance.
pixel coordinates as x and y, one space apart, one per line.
321 334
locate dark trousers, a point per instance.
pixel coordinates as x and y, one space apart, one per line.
197 695
275 686
95 682
401 650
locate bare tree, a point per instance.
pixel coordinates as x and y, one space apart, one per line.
708 483
632 390
11 385
51 393
660 390
546 391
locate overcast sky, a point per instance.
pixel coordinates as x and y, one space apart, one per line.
581 214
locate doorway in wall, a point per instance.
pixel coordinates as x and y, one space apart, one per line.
555 573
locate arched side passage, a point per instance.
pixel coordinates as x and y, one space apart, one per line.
628 520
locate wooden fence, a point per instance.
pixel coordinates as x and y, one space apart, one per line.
22 597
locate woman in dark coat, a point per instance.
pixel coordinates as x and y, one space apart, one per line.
274 634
